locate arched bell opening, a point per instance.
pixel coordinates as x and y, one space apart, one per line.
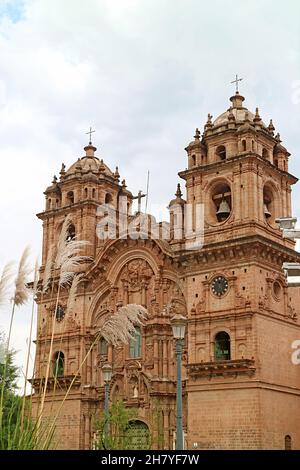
221 202
70 198
222 346
265 153
58 364
221 152
71 235
269 206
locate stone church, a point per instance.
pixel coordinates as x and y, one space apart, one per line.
240 387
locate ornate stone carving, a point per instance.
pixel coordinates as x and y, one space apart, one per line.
149 355
291 313
118 357
136 273
72 324
200 307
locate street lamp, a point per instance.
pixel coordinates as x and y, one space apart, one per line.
107 373
178 323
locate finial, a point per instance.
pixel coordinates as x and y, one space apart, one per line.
209 121
117 174
102 166
124 184
271 127
63 170
208 126
197 134
277 137
54 179
257 117
178 193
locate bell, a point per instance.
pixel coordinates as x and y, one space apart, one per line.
223 211
266 211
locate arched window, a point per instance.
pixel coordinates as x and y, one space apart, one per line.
103 346
58 364
222 346
244 145
71 233
287 443
94 193
48 203
252 145
86 192
221 152
70 197
108 198
135 347
265 153
194 160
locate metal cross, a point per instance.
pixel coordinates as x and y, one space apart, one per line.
139 198
236 81
90 132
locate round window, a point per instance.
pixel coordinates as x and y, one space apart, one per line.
60 313
277 289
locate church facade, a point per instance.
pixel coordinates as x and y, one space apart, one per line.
240 387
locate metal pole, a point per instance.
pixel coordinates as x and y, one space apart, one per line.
106 409
179 428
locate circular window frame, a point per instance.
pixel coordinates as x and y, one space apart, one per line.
276 285
60 318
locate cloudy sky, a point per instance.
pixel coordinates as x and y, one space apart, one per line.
144 74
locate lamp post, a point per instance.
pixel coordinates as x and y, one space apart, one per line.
178 323
107 373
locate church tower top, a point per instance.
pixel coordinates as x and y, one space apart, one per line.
90 151
237 100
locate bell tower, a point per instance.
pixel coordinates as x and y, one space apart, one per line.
242 318
239 163
87 184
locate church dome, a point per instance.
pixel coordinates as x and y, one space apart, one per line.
237 112
89 164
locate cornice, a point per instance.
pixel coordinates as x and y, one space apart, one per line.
229 162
